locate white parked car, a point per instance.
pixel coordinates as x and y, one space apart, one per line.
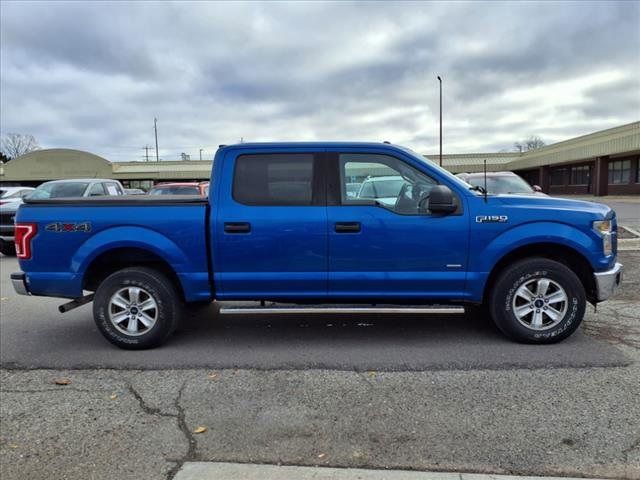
384 189
13 194
79 187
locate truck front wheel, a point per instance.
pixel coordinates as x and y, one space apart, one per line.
537 300
136 308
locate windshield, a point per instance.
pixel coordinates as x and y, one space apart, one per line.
59 190
175 190
502 184
446 173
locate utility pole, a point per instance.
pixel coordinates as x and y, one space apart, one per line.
146 153
440 80
201 154
155 128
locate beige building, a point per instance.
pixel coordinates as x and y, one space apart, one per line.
601 163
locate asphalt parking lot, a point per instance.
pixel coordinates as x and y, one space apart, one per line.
446 393
49 339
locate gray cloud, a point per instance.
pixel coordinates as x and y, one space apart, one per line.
93 75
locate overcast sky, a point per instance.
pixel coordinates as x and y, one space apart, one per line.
93 75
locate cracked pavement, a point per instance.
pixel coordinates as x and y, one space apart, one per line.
581 420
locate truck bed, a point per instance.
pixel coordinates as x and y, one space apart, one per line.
74 232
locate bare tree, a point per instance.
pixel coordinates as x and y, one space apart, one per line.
16 144
531 143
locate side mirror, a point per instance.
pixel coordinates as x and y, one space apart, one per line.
441 200
537 188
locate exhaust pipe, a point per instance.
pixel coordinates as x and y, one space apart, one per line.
75 303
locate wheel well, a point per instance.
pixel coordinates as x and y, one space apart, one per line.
553 251
118 258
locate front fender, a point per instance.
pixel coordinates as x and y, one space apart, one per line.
539 232
482 262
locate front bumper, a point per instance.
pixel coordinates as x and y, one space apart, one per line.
19 282
607 282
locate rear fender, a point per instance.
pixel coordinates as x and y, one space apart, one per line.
134 237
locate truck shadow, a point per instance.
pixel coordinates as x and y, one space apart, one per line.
365 327
360 342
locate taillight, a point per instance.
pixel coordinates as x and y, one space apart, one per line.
24 232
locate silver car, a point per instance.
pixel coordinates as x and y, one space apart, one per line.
79 187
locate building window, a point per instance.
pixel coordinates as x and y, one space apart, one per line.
580 175
557 176
619 172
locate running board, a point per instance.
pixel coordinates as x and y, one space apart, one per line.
342 310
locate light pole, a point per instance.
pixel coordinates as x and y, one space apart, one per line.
201 154
440 80
155 129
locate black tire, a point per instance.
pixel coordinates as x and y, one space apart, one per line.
154 285
528 272
8 248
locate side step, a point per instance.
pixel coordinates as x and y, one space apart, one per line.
298 310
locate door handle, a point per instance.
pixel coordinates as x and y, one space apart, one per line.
237 227
347 227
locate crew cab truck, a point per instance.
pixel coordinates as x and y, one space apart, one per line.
278 226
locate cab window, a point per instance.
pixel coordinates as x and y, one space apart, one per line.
386 180
274 179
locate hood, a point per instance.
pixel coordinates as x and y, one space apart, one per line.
554 203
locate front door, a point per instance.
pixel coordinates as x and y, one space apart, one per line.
382 242
271 227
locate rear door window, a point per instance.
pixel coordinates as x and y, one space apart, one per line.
113 189
274 179
62 190
96 190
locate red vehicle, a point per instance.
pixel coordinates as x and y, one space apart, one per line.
181 188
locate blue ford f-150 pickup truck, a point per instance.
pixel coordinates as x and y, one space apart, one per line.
278 226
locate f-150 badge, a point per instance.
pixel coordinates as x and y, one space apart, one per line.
492 219
62 227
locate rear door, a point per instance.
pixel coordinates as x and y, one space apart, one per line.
271 226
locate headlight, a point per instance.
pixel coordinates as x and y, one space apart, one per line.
603 228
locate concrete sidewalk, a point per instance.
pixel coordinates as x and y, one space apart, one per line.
248 471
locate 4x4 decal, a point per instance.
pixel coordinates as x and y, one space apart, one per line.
63 227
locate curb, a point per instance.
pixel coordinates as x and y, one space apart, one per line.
249 471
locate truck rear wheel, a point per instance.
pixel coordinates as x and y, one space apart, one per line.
537 300
136 308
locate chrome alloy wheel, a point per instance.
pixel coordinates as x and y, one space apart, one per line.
133 311
540 304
